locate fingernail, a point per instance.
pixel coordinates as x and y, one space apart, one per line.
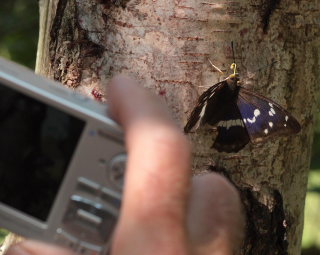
17 250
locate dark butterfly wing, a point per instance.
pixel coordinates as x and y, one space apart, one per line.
264 118
201 114
232 134
217 106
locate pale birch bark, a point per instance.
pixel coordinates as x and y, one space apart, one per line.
165 44
10 239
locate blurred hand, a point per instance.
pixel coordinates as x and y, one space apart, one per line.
164 211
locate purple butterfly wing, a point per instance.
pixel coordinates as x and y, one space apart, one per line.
264 118
217 107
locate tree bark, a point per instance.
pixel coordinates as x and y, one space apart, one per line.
166 44
10 239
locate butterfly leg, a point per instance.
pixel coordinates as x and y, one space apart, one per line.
215 67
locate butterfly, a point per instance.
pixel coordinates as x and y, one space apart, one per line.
240 115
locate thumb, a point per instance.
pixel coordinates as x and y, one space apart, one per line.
37 248
215 218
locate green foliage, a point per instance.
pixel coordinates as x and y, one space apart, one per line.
311 233
19 30
3 234
315 161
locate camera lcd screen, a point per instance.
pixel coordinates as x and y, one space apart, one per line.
37 142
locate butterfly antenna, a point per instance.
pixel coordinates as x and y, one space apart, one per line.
215 67
232 48
234 65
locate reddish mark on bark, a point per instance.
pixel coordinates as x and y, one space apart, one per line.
213 4
243 31
123 24
202 20
196 54
97 95
175 17
222 31
191 62
195 38
185 7
187 18
174 81
162 92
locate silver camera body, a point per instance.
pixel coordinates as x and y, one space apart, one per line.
62 161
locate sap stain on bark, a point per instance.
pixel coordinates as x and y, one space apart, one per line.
267 8
97 95
266 226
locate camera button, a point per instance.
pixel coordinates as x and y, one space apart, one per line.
65 239
93 220
111 197
88 186
89 249
89 217
117 168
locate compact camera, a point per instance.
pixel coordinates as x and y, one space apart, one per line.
62 162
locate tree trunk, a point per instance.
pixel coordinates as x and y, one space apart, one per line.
10 239
166 44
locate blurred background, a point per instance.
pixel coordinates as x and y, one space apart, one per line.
19 30
18 42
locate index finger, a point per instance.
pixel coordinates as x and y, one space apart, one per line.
158 169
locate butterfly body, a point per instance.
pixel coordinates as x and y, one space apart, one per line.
240 116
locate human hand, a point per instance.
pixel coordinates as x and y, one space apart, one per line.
164 211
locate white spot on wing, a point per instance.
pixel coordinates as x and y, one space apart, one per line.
256 112
286 118
273 111
230 123
253 120
270 124
239 122
270 113
285 125
211 95
266 131
244 120
222 123
271 105
203 110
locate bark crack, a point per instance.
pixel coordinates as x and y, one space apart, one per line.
71 49
56 25
266 224
267 8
